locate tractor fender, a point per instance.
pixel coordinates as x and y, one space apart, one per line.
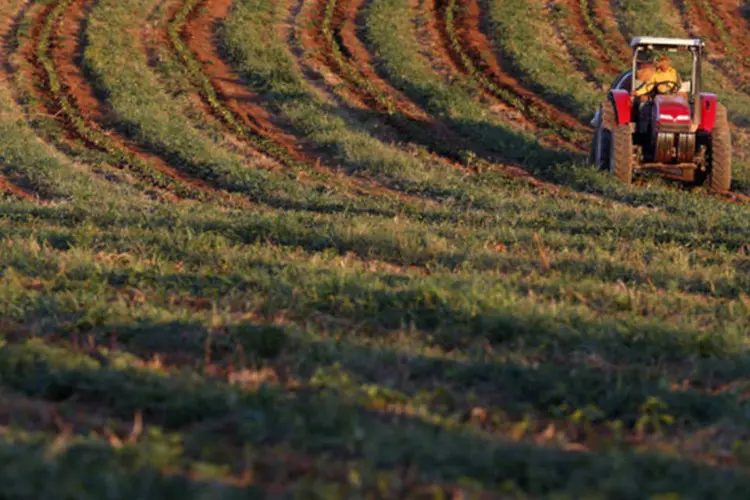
623 105
708 111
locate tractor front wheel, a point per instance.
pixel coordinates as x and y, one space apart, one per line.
619 157
720 150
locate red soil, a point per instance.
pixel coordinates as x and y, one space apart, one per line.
6 186
604 16
584 38
737 55
345 24
245 105
477 46
66 58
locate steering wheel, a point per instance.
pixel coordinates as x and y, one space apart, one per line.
672 88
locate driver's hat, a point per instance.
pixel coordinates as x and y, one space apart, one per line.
644 58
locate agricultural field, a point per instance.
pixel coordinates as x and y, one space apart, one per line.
354 249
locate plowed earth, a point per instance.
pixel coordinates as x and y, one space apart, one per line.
401 311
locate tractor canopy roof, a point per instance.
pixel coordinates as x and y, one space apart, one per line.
658 43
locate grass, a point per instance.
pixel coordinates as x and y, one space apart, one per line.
583 340
516 27
149 115
391 36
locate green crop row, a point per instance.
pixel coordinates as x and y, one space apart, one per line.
383 100
599 35
209 93
119 156
415 130
530 109
725 37
161 122
583 55
522 31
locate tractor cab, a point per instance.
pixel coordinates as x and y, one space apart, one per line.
666 95
657 117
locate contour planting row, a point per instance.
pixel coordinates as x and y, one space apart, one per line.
715 23
460 24
67 110
274 61
194 39
161 121
334 27
589 12
585 42
257 134
41 172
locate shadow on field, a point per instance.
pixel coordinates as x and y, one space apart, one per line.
540 370
479 139
335 421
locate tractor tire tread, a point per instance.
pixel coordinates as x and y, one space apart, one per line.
621 147
720 174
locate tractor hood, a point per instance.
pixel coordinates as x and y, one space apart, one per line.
672 112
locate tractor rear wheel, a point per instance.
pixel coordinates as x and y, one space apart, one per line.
618 157
720 150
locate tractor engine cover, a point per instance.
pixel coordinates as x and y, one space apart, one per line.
672 114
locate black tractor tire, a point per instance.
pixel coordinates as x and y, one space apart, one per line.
618 157
720 149
594 141
604 135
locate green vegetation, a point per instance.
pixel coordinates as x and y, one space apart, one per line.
573 338
524 35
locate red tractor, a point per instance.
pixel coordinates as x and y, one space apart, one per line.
670 127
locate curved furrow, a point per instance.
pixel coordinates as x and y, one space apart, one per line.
462 31
718 27
576 20
335 29
607 30
10 188
333 32
572 38
54 55
192 33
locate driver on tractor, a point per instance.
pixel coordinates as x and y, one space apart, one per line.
662 79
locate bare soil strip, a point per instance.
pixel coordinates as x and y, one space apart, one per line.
584 37
244 105
720 24
67 52
8 187
340 52
605 20
76 107
474 46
